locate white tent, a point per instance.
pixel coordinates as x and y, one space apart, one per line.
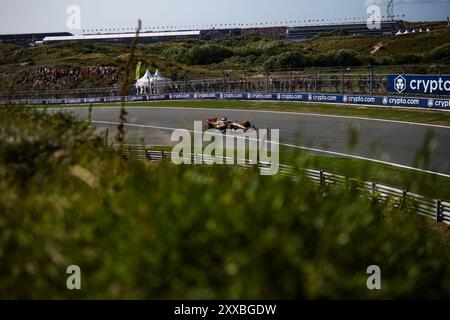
144 84
150 84
158 76
159 82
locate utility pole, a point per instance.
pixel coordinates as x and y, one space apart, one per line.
391 15
390 11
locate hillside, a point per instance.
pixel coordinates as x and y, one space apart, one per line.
214 58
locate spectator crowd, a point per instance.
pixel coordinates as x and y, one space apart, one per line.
328 83
50 78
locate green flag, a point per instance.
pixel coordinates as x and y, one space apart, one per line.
138 70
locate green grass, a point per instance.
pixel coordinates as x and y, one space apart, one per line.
412 115
432 186
426 184
158 231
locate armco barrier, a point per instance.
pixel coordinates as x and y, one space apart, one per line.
378 101
436 209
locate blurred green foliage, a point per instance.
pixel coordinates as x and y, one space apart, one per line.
158 231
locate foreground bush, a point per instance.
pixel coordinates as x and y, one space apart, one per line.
142 230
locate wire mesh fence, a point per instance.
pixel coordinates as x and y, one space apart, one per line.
349 80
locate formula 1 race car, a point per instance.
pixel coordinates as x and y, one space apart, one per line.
223 124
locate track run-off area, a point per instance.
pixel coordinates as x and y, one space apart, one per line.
391 142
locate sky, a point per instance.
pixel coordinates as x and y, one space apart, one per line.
32 16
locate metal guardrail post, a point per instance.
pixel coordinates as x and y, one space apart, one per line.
321 178
373 191
439 217
198 158
404 198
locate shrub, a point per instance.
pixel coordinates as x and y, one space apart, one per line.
155 231
346 58
274 48
249 50
335 58
408 58
206 54
287 60
441 53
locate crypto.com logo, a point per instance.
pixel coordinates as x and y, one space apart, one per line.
73 21
400 84
230 142
373 9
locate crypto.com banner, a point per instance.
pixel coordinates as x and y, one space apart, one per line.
338 99
417 84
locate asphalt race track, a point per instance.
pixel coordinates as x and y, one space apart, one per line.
396 142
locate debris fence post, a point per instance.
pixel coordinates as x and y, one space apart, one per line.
439 217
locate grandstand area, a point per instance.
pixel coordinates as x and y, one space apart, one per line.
293 33
30 39
301 32
307 32
147 37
